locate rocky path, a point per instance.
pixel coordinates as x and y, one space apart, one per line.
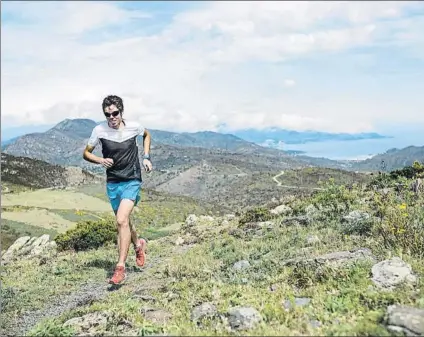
87 294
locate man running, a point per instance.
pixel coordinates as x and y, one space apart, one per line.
123 175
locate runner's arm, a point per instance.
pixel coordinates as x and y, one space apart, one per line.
89 156
146 142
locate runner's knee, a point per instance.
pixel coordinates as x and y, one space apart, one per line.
123 221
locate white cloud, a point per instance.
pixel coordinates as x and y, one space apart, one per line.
61 59
289 83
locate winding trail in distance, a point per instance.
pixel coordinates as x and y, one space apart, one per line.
289 186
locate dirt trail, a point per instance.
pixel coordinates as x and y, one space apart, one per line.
87 294
291 186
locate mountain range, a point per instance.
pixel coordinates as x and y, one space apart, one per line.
268 137
274 137
63 144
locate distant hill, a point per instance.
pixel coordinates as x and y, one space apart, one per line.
272 136
206 139
8 141
393 159
64 143
33 173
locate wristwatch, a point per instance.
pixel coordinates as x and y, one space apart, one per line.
146 156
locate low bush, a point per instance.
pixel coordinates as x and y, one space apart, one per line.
87 235
255 215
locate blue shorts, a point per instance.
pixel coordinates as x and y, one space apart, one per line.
123 190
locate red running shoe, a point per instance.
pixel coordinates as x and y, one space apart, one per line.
119 275
140 253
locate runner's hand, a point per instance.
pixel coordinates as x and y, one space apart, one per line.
147 165
107 162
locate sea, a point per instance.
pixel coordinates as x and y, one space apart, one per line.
357 149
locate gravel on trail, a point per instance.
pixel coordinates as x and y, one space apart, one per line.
87 294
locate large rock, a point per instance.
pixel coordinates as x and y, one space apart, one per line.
335 259
27 247
15 247
243 318
390 273
405 319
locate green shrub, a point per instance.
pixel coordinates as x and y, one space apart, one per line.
359 227
51 328
87 235
334 199
255 215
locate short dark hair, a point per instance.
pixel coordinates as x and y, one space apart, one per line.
115 100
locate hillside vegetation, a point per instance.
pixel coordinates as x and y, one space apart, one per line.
342 261
34 173
234 186
393 159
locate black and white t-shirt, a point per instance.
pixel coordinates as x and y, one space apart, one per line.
121 146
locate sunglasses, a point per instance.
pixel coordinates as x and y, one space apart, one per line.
114 114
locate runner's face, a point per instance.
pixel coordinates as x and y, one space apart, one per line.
113 116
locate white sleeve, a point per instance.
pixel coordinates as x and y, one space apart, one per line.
94 138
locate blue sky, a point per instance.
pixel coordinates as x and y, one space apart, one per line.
190 66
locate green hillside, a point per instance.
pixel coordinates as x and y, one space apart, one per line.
341 261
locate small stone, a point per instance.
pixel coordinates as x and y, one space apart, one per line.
314 323
229 217
243 318
311 211
312 239
273 287
202 311
172 296
356 216
158 316
191 220
179 241
390 273
146 298
298 301
240 265
282 209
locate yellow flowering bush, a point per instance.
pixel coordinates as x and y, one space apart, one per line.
400 225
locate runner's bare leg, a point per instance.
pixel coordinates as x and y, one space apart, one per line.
123 221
